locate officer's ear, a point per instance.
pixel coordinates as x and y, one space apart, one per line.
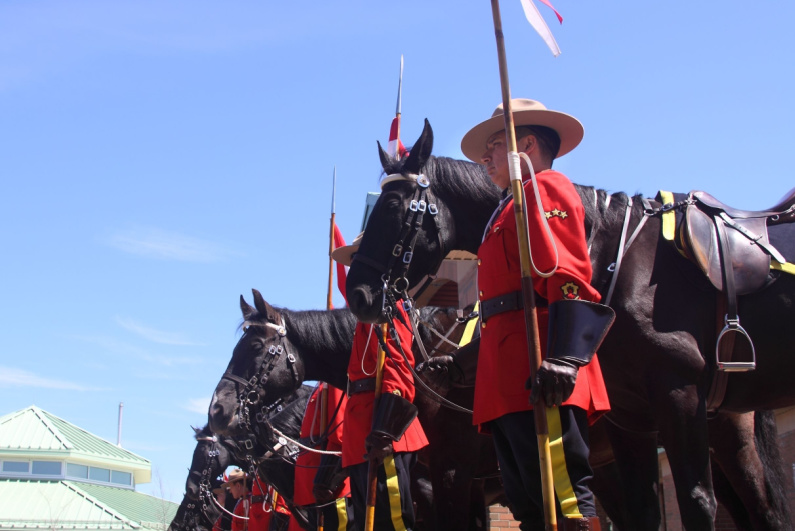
526 143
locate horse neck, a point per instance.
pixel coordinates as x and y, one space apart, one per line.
323 341
604 220
466 191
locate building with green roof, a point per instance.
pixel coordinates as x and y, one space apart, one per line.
55 475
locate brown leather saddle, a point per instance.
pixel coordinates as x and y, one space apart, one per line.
732 248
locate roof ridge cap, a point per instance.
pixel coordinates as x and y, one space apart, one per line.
43 416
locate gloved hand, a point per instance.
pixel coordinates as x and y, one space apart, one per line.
377 446
554 382
329 479
440 373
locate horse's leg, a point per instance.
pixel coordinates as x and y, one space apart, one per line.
638 470
606 481
682 420
478 519
745 446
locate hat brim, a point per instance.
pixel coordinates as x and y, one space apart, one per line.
569 128
344 254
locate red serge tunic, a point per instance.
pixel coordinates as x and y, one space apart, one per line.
307 462
262 511
397 379
503 360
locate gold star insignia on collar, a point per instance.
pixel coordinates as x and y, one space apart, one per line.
559 213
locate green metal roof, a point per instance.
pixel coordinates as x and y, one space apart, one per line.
31 504
33 430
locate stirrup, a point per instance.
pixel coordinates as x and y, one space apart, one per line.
733 325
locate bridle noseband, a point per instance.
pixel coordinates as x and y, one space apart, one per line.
394 273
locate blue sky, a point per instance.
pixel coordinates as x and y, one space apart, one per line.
159 159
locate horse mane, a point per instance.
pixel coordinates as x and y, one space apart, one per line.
454 177
594 202
320 329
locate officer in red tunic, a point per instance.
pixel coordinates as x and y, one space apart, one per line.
571 325
390 433
319 479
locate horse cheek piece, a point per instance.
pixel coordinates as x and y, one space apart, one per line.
576 329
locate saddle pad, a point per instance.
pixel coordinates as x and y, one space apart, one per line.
782 237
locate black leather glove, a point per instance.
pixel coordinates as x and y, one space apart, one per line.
554 382
329 478
377 446
440 373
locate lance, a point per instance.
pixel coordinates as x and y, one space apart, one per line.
329 305
399 105
372 468
528 293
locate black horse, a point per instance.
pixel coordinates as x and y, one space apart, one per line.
282 348
198 510
653 359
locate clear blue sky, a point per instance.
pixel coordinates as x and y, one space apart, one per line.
159 159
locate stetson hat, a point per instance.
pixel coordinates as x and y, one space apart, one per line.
344 254
525 112
234 475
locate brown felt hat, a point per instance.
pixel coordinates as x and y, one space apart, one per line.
344 254
234 475
525 112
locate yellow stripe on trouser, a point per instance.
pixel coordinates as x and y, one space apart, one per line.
563 488
342 514
393 489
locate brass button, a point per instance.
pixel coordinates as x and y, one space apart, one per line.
482 324
480 294
480 261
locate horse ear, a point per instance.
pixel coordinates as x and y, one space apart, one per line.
264 308
420 151
246 308
384 156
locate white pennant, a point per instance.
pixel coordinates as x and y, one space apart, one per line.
537 21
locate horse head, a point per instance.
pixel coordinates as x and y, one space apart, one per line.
411 226
277 436
264 368
210 459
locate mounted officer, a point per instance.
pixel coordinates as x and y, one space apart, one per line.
570 325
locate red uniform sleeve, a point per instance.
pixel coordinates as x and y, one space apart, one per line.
565 215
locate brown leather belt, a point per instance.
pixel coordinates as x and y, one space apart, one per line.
506 303
361 386
258 499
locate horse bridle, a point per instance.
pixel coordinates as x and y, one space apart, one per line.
205 485
393 274
248 397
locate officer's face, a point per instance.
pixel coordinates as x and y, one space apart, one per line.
495 159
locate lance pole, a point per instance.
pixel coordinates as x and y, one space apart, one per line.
329 305
528 293
399 105
372 468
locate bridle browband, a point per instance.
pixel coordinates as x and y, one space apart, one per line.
394 273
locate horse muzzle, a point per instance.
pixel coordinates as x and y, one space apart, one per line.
365 305
223 414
